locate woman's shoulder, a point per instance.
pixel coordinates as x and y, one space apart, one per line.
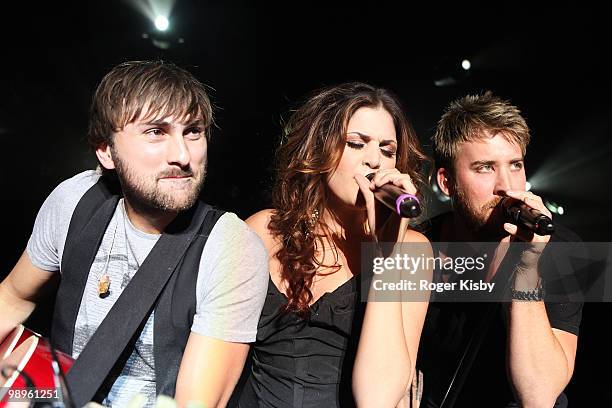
414 236
259 222
415 241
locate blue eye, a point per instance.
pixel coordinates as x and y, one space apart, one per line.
485 168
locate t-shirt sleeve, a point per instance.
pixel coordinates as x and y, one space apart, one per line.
46 243
232 282
565 316
562 260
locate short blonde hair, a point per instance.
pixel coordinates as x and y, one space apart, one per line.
471 118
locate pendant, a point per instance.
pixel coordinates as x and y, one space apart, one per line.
104 286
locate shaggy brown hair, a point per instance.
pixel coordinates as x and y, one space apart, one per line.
162 88
314 140
470 118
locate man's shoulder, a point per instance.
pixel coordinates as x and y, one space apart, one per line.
75 187
64 198
432 227
564 234
46 243
231 230
228 221
233 253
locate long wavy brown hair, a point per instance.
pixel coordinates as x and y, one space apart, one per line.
313 141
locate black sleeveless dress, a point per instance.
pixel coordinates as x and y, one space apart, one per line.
306 363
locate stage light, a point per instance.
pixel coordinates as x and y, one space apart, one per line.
158 12
527 186
161 23
554 207
451 72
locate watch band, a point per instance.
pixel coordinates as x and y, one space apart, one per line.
533 295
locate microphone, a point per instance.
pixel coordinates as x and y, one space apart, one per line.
405 205
524 216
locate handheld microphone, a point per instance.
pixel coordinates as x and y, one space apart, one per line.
405 205
524 216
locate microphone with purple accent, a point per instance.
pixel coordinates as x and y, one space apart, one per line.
405 205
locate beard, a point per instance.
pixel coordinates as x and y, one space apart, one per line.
485 220
145 193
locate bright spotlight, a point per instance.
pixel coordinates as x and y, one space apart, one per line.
161 23
527 186
466 64
554 207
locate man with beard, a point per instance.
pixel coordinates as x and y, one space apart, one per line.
136 227
479 147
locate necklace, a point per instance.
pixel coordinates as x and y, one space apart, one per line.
104 281
128 249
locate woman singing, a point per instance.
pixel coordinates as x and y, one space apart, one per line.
317 344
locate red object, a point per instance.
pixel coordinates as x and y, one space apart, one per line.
31 354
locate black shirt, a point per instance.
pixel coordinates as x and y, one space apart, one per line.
305 362
449 327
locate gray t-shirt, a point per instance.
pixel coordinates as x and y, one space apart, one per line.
230 291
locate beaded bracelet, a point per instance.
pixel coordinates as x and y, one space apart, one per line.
536 294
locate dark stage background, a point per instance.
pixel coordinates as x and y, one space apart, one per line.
261 60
